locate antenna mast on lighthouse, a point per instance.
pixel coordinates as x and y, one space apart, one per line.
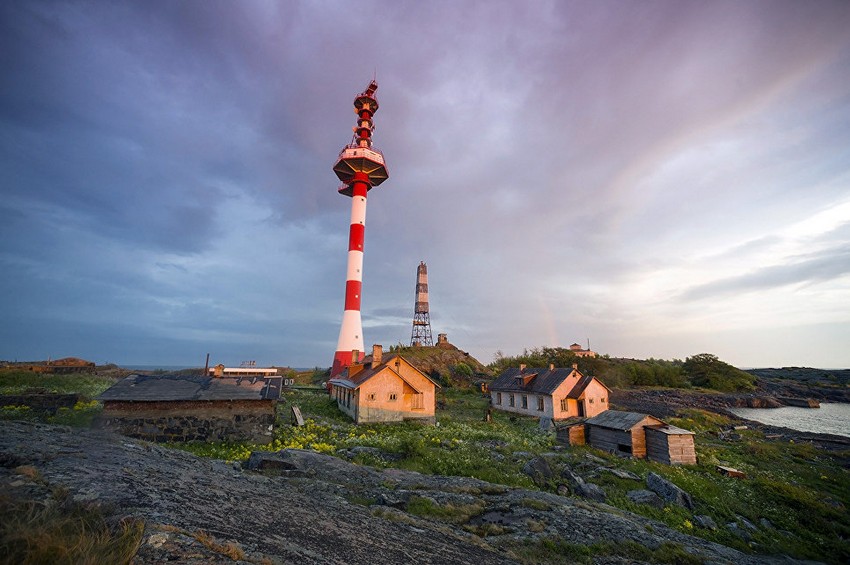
421 334
360 168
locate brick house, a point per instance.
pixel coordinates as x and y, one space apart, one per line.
187 408
385 389
553 393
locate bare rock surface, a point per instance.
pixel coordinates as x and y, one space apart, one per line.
309 507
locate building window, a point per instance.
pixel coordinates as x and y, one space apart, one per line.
372 396
563 405
540 403
602 400
591 401
498 398
393 397
525 401
510 400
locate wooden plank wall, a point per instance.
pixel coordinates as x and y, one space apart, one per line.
570 435
607 439
670 449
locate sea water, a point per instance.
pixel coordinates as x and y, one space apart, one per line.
830 418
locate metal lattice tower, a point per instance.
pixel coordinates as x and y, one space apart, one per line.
421 334
359 167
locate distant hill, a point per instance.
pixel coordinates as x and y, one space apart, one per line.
805 374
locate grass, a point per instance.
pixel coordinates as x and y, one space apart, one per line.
555 550
82 414
15 381
454 513
60 531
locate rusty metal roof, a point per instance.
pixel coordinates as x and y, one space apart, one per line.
150 388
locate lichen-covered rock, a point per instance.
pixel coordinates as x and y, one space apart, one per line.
643 496
668 491
539 471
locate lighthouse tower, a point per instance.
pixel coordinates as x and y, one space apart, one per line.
421 334
359 167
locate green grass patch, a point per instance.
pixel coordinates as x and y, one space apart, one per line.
15 381
557 550
454 513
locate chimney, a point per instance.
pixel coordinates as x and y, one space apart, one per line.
377 352
522 367
551 366
575 366
355 356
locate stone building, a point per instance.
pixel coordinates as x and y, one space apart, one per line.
552 393
172 408
385 389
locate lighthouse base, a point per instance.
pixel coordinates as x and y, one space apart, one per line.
343 359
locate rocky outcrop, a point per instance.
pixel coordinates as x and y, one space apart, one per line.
306 507
668 491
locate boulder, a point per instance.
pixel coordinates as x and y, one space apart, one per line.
268 461
591 492
578 487
706 522
644 496
539 471
668 491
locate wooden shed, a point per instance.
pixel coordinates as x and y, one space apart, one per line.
620 432
671 445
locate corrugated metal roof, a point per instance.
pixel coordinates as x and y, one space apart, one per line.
141 388
618 420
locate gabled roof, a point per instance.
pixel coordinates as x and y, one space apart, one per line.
368 372
617 420
545 381
150 388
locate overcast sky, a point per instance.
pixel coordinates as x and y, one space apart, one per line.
662 178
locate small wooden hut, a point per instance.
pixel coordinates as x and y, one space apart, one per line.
641 436
671 445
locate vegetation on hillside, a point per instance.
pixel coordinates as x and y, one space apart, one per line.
703 370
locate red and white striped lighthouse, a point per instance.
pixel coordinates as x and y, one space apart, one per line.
359 167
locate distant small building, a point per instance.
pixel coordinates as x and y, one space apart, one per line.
579 352
251 371
553 393
641 436
383 389
186 408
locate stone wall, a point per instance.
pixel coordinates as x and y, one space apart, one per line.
212 420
